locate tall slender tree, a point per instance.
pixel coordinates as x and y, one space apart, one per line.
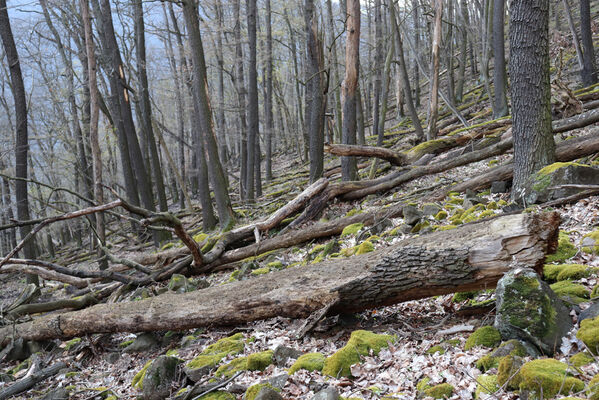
433 111
268 123
253 126
22 139
499 72
589 70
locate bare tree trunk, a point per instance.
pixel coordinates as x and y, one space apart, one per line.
459 91
530 89
575 40
449 54
434 93
334 62
349 170
252 106
22 141
589 71
220 115
499 72
241 101
416 72
376 67
269 123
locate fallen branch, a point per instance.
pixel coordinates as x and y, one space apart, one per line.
470 257
35 308
31 380
45 274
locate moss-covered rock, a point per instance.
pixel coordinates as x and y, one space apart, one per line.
423 384
548 378
565 249
275 265
436 349
593 388
572 272
259 361
595 292
213 355
546 183
359 344
218 395
441 215
231 368
569 290
441 391
527 309
589 334
309 362
486 336
581 359
352 229
487 362
508 372
159 376
138 378
590 242
180 284
486 384
252 391
463 296
365 247
260 271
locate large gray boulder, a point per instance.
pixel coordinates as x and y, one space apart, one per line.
546 184
528 310
159 378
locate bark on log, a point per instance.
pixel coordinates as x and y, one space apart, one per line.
45 274
31 380
470 257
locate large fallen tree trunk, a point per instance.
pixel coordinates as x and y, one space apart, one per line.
470 257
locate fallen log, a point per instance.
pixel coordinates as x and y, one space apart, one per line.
46 274
31 380
470 257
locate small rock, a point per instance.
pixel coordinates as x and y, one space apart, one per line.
6 378
143 342
16 351
591 312
473 197
56 394
159 377
236 388
528 310
381 226
278 381
430 209
283 353
327 394
267 393
405 228
411 215
513 207
180 284
201 283
113 357
499 187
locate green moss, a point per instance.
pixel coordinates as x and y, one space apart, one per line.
568 288
565 249
275 265
353 212
218 395
550 169
205 360
71 374
72 343
200 237
259 361
365 247
423 384
590 242
492 206
482 303
486 213
492 163
213 354
260 271
593 388
420 226
487 362
589 334
502 203
486 384
138 379
442 391
309 362
230 369
456 201
595 292
352 229
436 349
252 391
486 336
581 359
463 296
167 246
360 343
548 377
441 215
573 271
445 227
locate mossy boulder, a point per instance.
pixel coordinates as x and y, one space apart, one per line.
570 291
565 249
359 344
593 388
159 376
441 391
231 368
259 361
545 184
352 229
463 296
365 247
212 355
508 372
218 395
581 359
589 334
138 378
436 349
260 271
486 336
512 347
309 362
253 391
562 272
487 362
548 377
590 242
528 310
180 284
486 384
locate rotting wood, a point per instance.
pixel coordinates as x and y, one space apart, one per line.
473 256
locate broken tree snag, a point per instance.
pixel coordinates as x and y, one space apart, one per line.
470 257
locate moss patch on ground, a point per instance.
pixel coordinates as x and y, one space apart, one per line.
548 378
259 361
359 344
593 388
352 229
252 391
486 336
309 362
565 249
590 242
581 359
574 291
441 391
486 384
589 334
230 369
216 352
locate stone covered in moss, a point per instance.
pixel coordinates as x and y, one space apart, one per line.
508 372
546 184
159 377
230 369
595 292
441 215
571 291
352 229
565 249
309 362
593 388
486 384
137 381
463 296
436 349
487 362
254 390
213 355
572 271
527 309
548 377
486 336
589 334
359 344
260 271
365 247
590 242
218 395
581 359
259 361
441 391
